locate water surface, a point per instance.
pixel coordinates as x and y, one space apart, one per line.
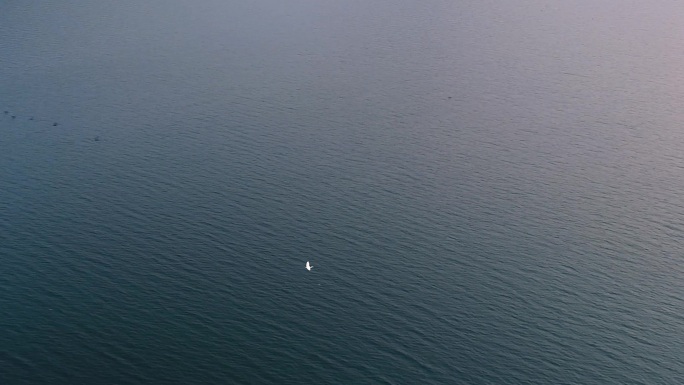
489 192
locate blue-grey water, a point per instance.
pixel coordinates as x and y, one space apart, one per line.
490 192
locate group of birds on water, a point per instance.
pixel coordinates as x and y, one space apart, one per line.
55 124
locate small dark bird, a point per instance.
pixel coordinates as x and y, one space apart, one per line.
55 124
14 116
97 139
31 118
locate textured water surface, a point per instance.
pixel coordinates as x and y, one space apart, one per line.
490 192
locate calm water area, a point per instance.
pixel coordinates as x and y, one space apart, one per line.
490 192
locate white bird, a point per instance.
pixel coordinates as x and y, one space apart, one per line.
308 267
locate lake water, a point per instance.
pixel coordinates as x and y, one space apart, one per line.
490 192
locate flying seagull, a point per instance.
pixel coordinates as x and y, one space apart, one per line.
308 267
